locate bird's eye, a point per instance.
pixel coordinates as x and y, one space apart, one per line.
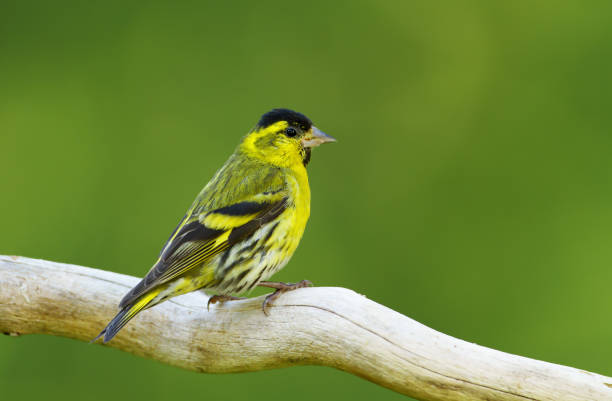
290 132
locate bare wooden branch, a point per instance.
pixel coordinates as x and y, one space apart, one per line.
316 326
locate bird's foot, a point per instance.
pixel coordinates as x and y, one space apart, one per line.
280 288
220 298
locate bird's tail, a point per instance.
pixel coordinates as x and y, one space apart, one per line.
125 314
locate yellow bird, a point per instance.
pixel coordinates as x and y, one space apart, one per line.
243 226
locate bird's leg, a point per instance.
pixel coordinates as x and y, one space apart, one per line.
220 298
280 288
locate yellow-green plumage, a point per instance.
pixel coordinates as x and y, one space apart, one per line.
243 226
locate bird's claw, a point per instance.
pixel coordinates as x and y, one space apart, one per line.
220 298
280 288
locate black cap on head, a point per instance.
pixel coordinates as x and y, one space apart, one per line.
292 117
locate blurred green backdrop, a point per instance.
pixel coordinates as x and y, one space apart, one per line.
471 187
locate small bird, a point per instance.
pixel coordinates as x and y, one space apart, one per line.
242 227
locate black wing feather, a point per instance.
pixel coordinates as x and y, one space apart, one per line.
195 232
273 211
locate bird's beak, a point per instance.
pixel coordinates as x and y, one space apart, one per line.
316 137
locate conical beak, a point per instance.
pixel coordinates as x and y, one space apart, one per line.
315 138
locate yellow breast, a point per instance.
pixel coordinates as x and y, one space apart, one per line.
300 191
271 246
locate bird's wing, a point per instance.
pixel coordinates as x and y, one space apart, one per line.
203 234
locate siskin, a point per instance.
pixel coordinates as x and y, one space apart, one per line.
243 226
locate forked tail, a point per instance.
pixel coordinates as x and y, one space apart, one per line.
125 315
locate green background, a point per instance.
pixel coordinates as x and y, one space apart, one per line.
470 188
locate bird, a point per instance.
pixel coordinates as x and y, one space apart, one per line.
243 226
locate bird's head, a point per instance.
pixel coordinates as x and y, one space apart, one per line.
284 138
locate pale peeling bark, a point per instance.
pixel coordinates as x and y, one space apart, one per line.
314 326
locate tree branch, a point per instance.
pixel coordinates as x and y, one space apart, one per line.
315 326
